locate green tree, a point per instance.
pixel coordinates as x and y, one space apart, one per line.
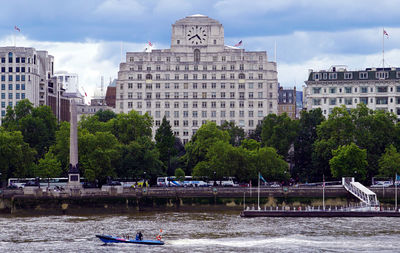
349 161
61 146
368 129
279 132
165 143
49 167
93 124
223 159
250 144
197 148
236 133
38 125
389 163
269 163
99 153
131 126
337 130
16 157
303 144
139 158
256 134
180 174
105 115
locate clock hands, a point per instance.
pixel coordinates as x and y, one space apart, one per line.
194 36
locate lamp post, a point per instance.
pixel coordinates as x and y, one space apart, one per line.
215 183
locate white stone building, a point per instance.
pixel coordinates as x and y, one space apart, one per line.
69 81
25 73
378 88
198 79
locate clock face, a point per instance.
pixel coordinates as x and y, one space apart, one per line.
197 35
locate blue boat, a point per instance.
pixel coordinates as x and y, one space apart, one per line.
115 239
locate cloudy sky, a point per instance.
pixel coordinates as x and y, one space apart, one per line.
85 36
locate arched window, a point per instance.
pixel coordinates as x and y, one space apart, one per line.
196 55
10 57
149 77
241 76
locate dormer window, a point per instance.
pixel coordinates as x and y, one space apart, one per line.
348 75
363 75
332 75
316 76
381 75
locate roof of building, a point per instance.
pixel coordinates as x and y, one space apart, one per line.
393 73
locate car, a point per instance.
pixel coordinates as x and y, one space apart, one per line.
89 185
114 183
13 186
382 184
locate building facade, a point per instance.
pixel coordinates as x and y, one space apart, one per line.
27 73
378 88
287 102
68 81
198 79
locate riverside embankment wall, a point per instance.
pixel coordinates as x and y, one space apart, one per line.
125 200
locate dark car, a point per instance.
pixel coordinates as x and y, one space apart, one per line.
89 185
13 186
114 183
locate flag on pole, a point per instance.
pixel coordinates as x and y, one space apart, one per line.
385 33
150 44
17 28
261 177
238 44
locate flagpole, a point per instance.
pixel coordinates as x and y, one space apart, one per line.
15 30
395 186
323 192
383 48
258 199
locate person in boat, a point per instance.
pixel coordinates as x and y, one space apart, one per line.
139 236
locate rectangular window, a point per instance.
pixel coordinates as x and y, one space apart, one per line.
364 89
22 95
347 89
316 90
348 101
316 101
332 90
382 89
364 100
381 100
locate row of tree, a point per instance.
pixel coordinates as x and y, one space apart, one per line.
358 142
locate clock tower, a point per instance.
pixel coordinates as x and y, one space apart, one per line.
197 32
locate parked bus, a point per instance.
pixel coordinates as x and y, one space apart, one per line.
59 182
189 181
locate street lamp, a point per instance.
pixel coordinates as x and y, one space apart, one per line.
215 183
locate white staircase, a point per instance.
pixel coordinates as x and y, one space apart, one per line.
360 191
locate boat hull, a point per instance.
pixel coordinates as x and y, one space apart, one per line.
114 239
254 213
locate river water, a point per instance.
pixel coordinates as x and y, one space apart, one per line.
200 232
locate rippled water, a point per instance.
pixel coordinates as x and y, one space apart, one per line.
200 232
